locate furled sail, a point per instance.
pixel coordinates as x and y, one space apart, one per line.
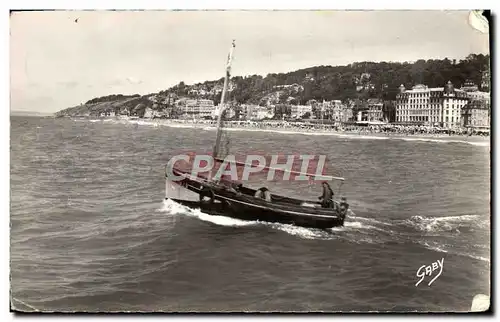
221 147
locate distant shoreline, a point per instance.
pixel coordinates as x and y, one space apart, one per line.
439 138
29 113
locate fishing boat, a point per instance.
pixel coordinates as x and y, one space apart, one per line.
231 199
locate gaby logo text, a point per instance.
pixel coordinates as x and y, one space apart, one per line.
428 270
293 167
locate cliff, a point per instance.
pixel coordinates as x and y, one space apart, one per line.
118 104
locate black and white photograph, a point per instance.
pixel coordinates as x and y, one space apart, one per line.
229 161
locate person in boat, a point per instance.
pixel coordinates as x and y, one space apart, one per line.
263 193
206 192
327 196
343 207
236 188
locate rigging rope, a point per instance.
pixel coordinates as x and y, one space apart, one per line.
340 186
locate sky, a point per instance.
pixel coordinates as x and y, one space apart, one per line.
60 59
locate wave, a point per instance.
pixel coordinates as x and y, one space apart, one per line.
302 232
175 208
307 233
24 304
358 225
483 143
345 232
374 221
484 259
442 224
143 122
435 247
445 248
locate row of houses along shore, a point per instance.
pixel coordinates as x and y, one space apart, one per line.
445 107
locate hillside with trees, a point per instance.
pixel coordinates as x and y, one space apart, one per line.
110 98
356 81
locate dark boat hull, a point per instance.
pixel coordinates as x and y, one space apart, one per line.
265 215
243 205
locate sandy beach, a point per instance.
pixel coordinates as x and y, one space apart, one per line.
364 134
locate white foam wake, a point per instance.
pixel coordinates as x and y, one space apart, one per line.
443 248
435 247
484 259
26 304
357 225
302 232
374 221
175 208
441 224
351 225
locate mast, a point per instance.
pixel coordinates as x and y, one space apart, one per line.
222 106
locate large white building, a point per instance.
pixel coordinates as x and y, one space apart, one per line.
255 112
440 106
375 109
474 93
335 110
477 112
197 108
299 110
148 113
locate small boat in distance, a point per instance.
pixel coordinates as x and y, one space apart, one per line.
227 198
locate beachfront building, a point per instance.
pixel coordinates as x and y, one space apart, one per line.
261 113
162 114
107 113
347 114
148 113
486 78
359 110
476 114
474 93
196 108
440 106
371 110
374 110
299 110
389 111
362 114
229 113
246 110
255 112
125 112
335 110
